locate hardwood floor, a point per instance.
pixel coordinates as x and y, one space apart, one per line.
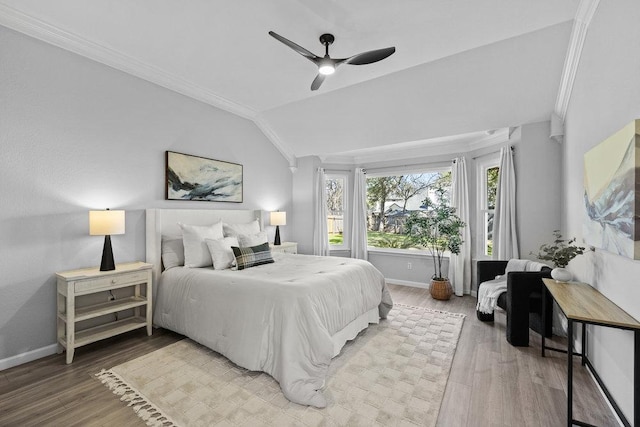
491 383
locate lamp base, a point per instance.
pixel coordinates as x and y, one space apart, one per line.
107 256
277 239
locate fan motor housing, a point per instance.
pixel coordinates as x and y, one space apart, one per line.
326 39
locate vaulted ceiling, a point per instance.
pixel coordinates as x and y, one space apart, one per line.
459 67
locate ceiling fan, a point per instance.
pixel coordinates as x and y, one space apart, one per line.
327 65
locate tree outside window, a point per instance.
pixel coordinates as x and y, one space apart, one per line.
392 198
335 187
488 206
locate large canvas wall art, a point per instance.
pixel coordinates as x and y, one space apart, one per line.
197 178
612 193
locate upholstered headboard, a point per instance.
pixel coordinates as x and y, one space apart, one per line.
165 222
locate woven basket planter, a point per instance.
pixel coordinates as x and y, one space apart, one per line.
441 289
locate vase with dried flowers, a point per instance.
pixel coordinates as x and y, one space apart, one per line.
560 252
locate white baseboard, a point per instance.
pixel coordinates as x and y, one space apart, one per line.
28 356
416 285
408 283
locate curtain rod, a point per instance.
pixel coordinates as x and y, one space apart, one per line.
338 170
492 152
442 164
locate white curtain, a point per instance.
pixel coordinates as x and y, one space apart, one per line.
460 265
359 219
320 233
505 239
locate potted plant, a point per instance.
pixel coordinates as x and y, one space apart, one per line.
560 252
438 229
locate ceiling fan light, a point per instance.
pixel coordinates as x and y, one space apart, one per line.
326 68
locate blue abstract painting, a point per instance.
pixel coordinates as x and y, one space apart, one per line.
612 193
198 178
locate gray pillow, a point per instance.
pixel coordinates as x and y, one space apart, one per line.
172 252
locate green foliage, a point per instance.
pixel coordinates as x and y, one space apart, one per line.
489 250
379 189
388 240
492 186
561 251
378 239
335 239
438 229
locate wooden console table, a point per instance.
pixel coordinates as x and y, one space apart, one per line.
583 304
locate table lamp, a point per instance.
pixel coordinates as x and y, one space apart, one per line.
278 219
105 223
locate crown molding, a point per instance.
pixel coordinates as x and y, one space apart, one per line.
450 145
36 28
266 129
584 15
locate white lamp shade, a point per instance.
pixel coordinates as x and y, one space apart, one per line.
106 223
278 218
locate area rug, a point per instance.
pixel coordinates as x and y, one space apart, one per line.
393 373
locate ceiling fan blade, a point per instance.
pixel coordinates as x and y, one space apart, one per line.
302 51
370 56
317 81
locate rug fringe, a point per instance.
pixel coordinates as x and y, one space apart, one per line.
433 310
138 402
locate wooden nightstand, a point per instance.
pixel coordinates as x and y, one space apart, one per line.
74 283
285 247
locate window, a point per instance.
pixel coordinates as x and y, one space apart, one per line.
392 198
336 185
488 172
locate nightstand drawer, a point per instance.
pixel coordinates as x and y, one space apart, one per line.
110 282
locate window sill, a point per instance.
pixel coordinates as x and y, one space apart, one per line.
403 252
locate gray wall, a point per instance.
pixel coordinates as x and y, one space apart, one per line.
77 135
537 162
303 193
604 99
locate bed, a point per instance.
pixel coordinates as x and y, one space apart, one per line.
287 318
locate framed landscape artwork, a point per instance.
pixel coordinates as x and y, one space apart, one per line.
198 178
612 193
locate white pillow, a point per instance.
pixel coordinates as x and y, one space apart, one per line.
221 252
249 240
172 251
196 252
231 230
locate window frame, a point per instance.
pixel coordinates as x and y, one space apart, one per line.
482 166
346 226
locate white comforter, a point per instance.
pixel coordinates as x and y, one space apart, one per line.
277 318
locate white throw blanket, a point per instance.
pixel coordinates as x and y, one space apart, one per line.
490 290
489 293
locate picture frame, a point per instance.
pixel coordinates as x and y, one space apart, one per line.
612 193
196 178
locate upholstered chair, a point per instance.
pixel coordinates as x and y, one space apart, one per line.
522 300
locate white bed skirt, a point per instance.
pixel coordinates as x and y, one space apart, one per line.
352 330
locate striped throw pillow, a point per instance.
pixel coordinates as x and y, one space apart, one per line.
252 256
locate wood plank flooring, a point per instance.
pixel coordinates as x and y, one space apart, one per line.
491 383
